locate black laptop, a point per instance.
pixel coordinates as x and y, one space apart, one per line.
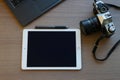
28 10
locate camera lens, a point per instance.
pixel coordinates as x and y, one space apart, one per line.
89 26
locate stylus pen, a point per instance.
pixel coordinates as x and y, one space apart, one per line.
51 27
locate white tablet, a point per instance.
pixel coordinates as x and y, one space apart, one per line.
51 49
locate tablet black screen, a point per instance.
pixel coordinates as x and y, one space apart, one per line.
51 49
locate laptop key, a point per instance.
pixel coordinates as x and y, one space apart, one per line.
16 2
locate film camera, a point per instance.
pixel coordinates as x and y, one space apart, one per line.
102 21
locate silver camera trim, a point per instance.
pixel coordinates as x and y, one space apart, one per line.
106 22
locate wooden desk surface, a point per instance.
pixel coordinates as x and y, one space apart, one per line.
69 13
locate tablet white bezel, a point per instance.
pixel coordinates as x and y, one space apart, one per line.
78 51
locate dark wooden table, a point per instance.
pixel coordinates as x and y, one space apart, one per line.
69 13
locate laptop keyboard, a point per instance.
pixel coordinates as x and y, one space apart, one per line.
16 2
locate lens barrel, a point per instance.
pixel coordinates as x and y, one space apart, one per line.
90 25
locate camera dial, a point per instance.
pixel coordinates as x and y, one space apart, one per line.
102 21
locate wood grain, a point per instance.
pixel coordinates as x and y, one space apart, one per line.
69 13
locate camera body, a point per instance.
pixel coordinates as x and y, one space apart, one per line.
102 21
